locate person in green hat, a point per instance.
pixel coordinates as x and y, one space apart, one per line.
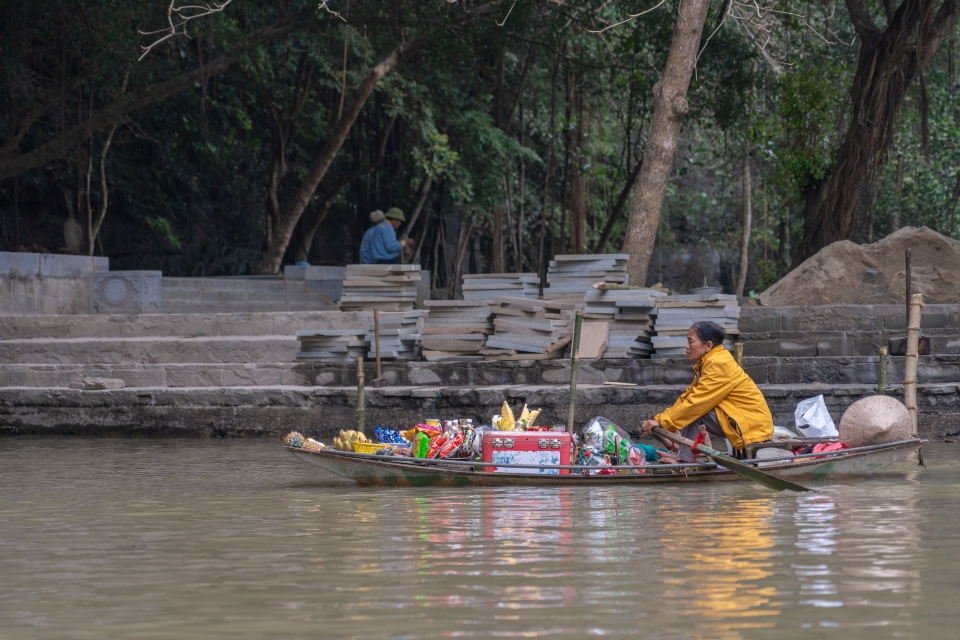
380 244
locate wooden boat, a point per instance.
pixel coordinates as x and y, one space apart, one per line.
367 469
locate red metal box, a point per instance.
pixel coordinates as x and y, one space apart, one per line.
527 447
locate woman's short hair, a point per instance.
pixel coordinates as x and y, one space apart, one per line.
709 332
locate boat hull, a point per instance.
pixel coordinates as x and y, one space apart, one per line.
379 471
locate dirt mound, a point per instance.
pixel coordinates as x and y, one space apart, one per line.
848 273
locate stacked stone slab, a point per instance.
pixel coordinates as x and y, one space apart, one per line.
455 330
571 277
332 345
399 336
489 286
630 315
676 313
529 329
387 287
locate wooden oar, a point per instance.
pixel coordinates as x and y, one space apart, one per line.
745 470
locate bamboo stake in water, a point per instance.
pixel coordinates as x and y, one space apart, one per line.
910 366
574 359
360 402
882 372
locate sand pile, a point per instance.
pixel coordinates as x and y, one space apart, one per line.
848 273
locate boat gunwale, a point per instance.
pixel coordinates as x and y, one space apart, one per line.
693 470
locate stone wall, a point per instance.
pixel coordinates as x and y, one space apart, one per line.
47 283
842 330
322 411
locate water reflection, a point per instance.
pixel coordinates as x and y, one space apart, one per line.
232 539
868 550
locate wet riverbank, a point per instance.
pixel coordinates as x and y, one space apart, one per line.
235 538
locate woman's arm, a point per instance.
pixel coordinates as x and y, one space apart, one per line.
698 399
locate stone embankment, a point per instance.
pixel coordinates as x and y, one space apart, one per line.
234 374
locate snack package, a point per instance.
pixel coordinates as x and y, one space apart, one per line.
451 446
421 445
432 432
435 446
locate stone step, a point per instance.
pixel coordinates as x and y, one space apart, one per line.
234 349
820 344
772 370
322 411
879 317
172 324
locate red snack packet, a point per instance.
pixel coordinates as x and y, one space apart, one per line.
452 444
435 446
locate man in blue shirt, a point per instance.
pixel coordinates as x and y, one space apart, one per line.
380 244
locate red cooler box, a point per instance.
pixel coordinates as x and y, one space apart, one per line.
527 447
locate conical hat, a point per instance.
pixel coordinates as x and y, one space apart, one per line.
875 420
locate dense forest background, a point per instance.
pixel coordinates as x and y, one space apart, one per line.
507 131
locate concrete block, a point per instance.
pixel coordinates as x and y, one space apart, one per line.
831 347
759 348
19 264
257 376
101 263
934 321
423 377
53 265
126 291
795 349
294 272
750 323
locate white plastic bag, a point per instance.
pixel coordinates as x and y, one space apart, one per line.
813 419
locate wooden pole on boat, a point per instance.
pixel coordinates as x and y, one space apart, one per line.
738 353
882 372
574 359
910 366
360 402
378 381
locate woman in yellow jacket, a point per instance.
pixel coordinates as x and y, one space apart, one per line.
722 399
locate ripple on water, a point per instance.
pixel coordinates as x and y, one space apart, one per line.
236 539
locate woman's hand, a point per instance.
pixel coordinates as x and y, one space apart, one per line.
647 427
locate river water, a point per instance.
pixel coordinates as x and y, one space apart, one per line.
238 539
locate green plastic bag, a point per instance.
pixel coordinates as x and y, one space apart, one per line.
421 444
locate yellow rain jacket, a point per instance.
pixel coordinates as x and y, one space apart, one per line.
721 384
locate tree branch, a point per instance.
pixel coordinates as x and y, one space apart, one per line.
863 22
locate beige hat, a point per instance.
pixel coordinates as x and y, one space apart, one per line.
875 420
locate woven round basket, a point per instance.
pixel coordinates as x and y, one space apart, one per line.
875 420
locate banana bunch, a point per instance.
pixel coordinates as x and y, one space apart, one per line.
346 439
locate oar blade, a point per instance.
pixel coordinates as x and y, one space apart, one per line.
766 479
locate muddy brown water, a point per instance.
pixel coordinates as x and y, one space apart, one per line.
238 539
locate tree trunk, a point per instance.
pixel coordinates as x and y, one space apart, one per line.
283 230
888 63
578 210
670 108
747 220
496 263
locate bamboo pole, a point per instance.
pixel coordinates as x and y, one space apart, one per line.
574 359
376 336
360 399
910 367
882 372
738 353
